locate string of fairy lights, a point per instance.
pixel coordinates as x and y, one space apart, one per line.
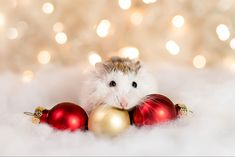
105 28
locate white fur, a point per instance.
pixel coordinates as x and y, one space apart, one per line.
97 90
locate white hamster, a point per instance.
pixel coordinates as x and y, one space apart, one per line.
119 82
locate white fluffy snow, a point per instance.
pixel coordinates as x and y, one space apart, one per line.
209 93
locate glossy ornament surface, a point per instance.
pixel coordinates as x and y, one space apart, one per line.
108 121
154 109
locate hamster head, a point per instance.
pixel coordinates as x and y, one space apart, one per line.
122 82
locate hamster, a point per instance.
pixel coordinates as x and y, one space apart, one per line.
118 82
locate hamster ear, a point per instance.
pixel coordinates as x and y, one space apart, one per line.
138 65
101 68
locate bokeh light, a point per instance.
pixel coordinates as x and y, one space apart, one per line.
44 57
129 52
48 8
27 76
2 19
94 58
199 61
103 28
136 18
223 32
232 43
172 47
12 33
124 4
178 21
149 1
61 38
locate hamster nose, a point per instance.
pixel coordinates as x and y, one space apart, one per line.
123 104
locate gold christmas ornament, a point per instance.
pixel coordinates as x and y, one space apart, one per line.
108 121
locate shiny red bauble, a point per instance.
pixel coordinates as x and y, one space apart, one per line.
65 116
154 109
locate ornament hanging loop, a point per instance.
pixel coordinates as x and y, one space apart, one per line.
36 115
35 119
29 114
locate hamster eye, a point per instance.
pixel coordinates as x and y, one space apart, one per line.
112 84
134 84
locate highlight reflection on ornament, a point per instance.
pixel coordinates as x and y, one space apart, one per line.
108 121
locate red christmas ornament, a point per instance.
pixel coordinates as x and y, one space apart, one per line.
154 109
63 116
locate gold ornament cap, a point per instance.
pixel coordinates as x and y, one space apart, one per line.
36 115
183 110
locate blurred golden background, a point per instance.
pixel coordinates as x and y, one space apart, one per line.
194 33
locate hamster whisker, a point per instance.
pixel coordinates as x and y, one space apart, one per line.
117 99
